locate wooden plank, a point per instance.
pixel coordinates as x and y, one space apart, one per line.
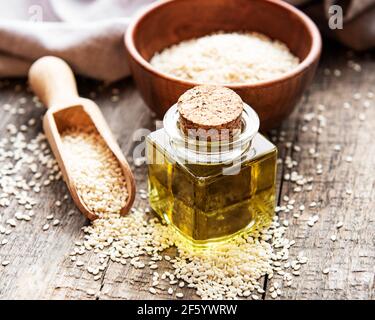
40 264
351 258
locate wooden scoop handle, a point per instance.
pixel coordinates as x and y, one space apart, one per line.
53 82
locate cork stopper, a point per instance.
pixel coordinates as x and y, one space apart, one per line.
210 112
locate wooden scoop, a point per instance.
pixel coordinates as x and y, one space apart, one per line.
53 82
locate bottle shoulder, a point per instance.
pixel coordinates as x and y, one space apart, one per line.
261 148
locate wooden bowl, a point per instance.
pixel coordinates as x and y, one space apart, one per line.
169 22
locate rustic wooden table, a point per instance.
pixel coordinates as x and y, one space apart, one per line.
39 264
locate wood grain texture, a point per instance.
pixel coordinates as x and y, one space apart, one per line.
40 266
351 258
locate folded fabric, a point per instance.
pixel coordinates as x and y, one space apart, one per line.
358 30
88 34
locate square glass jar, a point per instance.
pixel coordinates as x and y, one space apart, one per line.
212 194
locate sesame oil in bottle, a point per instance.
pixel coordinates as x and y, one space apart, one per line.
211 196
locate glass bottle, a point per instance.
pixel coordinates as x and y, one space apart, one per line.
208 191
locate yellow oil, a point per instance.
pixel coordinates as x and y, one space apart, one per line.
202 203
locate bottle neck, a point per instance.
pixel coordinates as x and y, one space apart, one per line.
198 150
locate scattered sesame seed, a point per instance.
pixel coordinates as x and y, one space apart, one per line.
326 271
115 98
337 73
246 293
310 223
11 222
337 147
5 263
321 107
7 107
339 225
90 292
366 104
302 260
312 204
327 71
357 96
143 196
79 263
19 215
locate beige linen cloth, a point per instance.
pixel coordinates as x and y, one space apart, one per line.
88 34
